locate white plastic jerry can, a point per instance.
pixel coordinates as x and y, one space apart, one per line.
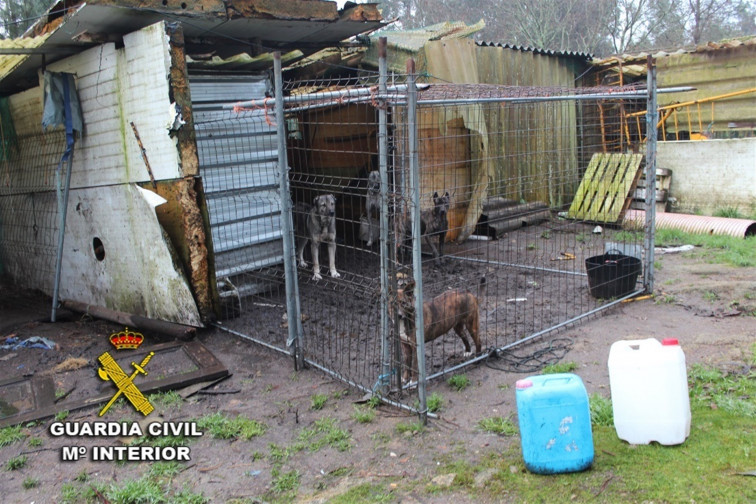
649 387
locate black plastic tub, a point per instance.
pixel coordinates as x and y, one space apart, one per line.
612 275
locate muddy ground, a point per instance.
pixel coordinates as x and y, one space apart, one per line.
709 308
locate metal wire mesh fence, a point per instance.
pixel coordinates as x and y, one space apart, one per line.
29 219
499 207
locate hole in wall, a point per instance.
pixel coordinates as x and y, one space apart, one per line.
99 249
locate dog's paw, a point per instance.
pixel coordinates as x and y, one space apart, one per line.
317 276
335 274
467 354
302 264
370 243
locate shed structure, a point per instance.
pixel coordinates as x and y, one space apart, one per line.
148 213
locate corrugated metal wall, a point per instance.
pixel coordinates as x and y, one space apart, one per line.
238 159
540 139
713 73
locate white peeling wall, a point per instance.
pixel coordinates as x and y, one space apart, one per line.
107 212
711 175
117 87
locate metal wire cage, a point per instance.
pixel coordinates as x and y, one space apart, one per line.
463 220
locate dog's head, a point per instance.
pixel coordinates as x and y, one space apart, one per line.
441 204
405 301
325 205
374 182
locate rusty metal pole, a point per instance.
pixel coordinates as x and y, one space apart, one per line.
417 267
652 117
294 340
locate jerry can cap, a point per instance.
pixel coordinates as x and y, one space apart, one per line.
670 342
523 384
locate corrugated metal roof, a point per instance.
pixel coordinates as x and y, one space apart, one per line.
8 62
297 24
536 50
630 60
414 40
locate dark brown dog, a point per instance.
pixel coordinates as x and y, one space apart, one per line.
455 309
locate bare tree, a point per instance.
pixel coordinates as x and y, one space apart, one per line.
18 15
699 21
598 27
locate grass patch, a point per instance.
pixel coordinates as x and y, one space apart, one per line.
434 402
363 414
498 425
559 367
729 212
317 401
164 470
413 428
15 463
9 435
665 299
35 442
61 415
324 432
458 382
740 252
628 236
142 491
186 496
365 493
30 483
219 426
601 410
284 482
732 393
710 296
169 399
73 494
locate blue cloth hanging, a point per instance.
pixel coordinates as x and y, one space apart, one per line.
62 107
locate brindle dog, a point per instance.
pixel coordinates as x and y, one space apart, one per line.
454 309
317 224
433 222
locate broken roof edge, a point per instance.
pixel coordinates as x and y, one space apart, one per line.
294 10
748 42
537 50
413 40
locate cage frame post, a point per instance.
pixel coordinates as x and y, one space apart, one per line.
652 117
384 380
62 196
417 267
295 339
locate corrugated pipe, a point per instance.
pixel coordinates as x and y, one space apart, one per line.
702 224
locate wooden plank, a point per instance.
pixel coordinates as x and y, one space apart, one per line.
603 189
606 190
578 206
612 182
195 363
632 175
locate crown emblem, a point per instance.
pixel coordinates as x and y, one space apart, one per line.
126 339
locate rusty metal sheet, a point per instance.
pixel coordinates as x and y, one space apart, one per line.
174 365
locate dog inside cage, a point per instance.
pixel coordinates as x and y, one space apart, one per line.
510 192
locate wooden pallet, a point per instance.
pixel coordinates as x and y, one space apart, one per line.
607 188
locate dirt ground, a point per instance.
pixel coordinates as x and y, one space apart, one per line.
709 308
